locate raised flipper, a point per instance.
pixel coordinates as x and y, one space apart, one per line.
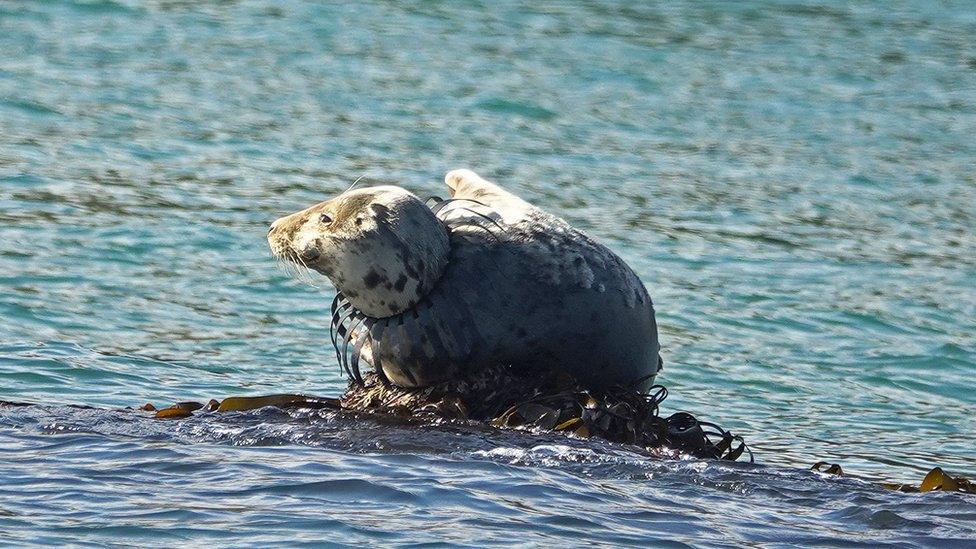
465 185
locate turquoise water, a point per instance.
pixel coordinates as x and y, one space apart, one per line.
794 182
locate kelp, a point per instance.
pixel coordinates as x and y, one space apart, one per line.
182 410
554 401
828 468
935 480
237 404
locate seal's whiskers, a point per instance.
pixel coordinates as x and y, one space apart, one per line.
304 273
356 182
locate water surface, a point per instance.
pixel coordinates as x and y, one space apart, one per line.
794 182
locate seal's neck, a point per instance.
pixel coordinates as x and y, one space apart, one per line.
402 260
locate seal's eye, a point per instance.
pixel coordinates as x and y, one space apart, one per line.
325 218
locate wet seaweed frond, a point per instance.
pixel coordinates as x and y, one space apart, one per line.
554 401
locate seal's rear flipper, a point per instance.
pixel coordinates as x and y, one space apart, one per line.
467 185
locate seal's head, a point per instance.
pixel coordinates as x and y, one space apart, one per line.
382 247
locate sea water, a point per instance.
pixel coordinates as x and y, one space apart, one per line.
795 182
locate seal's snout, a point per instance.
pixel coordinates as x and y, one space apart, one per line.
274 239
281 239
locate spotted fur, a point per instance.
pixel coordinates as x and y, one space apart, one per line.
428 292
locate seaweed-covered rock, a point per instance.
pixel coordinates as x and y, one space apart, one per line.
551 401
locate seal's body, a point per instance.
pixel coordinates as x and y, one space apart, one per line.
428 294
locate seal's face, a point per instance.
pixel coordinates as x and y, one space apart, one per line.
382 247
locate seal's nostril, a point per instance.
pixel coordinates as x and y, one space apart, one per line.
271 228
311 255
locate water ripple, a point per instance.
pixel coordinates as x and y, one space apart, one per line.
793 181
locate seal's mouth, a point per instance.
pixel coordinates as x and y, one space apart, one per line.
311 256
307 259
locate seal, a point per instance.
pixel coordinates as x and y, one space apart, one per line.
428 292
